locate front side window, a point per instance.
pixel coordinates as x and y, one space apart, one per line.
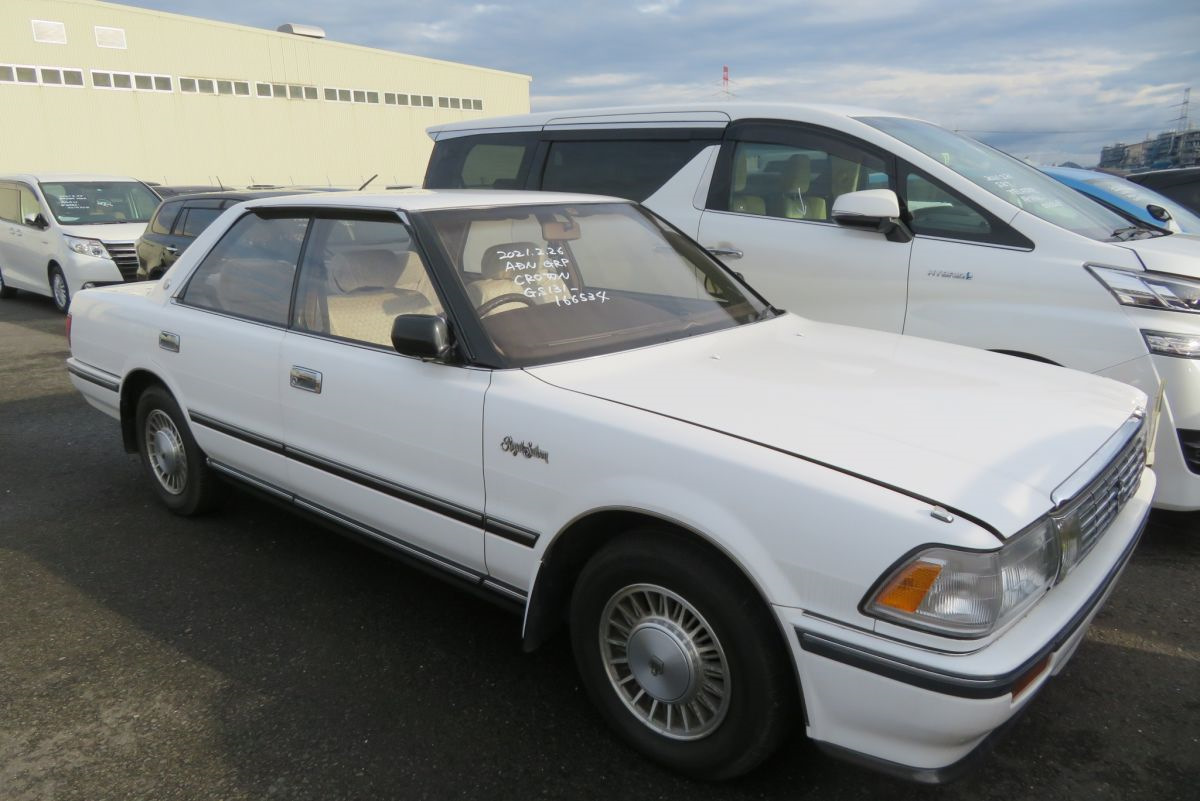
937 212
473 162
100 202
1009 179
798 176
196 219
249 272
164 219
357 277
552 282
30 207
628 169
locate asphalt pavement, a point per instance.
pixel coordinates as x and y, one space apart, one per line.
252 655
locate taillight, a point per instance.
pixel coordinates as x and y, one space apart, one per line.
68 330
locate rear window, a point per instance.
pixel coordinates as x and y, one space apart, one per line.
495 161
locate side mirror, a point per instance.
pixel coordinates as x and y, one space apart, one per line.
1158 212
873 210
37 221
426 336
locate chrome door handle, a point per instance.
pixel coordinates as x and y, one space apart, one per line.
729 253
305 379
170 249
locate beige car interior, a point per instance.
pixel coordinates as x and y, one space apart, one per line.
369 288
496 279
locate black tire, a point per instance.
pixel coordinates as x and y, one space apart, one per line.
752 707
178 470
60 290
6 291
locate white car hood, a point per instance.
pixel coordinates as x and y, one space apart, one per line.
117 232
985 434
1178 254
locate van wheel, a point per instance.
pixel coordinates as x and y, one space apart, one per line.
6 291
177 468
59 291
681 656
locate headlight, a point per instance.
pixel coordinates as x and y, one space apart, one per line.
88 247
1165 343
969 593
1150 290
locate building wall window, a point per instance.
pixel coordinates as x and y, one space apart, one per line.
49 32
113 38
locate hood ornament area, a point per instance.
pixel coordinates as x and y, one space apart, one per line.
526 449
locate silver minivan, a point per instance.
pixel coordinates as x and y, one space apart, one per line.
60 233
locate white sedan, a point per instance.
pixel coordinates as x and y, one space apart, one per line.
748 520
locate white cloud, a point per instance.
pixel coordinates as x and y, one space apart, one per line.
602 79
661 7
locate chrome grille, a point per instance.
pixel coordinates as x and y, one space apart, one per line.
1092 511
125 255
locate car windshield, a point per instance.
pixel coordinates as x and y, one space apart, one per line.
1142 197
554 282
1007 178
100 202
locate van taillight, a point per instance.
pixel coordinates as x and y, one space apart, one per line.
68 330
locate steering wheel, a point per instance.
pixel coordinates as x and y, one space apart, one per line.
489 306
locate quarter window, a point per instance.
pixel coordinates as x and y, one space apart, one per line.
10 203
250 271
358 277
628 169
490 162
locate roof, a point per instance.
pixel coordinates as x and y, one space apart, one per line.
430 199
63 177
703 113
237 194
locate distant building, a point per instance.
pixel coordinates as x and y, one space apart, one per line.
87 86
1168 149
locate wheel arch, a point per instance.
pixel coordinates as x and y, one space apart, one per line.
132 387
571 548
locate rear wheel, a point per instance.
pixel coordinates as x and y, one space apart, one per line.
6 291
177 468
59 290
681 656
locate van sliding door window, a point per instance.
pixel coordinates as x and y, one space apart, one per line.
630 169
481 162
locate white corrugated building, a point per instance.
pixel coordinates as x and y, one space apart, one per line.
87 86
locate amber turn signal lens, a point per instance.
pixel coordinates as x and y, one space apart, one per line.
906 591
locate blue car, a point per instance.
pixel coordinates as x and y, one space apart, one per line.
1139 204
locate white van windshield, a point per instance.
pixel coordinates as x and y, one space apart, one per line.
99 202
1009 179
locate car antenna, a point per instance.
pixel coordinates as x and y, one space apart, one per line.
372 178
220 183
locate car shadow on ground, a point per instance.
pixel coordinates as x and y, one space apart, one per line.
294 663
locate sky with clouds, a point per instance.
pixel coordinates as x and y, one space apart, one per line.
1048 80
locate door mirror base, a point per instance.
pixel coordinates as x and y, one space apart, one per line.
37 221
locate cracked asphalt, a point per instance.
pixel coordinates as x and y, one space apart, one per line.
252 655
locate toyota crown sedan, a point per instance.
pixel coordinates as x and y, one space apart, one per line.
747 520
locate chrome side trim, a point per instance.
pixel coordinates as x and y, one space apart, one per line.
93 375
233 472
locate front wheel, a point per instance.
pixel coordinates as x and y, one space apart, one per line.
177 468
681 656
59 290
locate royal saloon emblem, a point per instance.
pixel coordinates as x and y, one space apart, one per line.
526 449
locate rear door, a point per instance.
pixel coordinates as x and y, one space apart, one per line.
768 216
156 242
30 250
10 233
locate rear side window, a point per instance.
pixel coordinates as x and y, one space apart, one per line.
164 219
195 221
499 161
625 168
250 271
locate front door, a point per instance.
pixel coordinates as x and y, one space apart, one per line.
388 444
768 217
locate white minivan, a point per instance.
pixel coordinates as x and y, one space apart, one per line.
884 221
60 233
